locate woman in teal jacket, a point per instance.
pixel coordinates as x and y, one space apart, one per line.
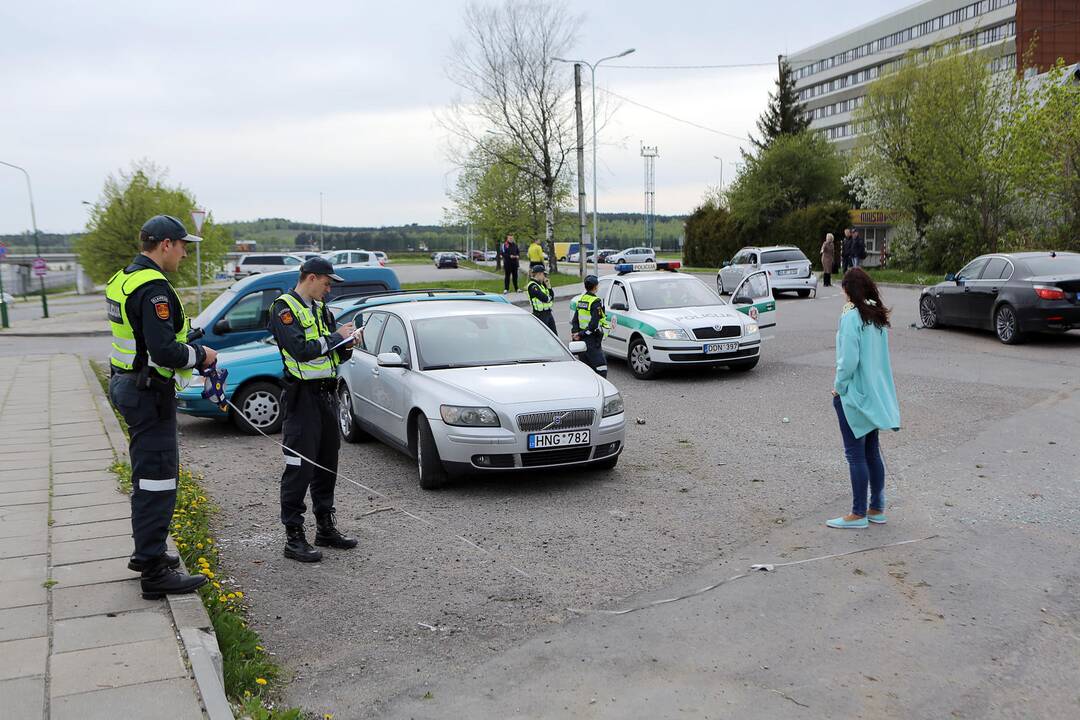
864 396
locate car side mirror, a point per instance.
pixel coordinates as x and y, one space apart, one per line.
620 306
951 277
222 327
577 347
390 359
726 263
743 300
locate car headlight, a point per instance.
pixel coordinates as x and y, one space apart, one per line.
613 405
672 335
469 416
751 328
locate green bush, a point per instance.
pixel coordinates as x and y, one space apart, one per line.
711 236
806 228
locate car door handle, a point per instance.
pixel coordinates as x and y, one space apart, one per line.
375 371
993 291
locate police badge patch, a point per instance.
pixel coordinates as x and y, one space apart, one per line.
162 310
286 316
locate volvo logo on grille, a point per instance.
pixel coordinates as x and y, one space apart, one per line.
557 420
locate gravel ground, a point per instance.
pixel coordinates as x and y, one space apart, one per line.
722 459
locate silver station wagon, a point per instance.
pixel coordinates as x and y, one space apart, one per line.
468 387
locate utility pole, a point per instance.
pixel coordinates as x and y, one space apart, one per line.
650 154
37 239
320 223
583 234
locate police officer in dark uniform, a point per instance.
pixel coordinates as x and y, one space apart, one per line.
306 337
541 296
150 360
589 323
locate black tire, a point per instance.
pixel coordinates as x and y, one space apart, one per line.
607 463
744 365
928 312
1007 325
261 408
719 284
803 293
428 464
637 358
347 422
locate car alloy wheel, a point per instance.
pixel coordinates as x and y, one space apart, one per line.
719 285
345 416
1006 326
640 361
928 312
261 408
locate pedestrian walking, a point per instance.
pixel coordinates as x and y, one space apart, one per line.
858 249
864 396
828 257
150 360
510 255
589 323
307 337
536 252
845 251
542 296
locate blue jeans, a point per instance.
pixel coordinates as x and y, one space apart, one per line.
864 464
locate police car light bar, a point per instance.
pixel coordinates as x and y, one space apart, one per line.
669 265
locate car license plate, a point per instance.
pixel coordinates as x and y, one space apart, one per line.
788 271
711 348
544 441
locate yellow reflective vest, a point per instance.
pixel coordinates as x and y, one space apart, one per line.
314 327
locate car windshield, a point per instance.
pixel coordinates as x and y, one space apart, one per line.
1060 265
672 292
211 311
777 256
475 340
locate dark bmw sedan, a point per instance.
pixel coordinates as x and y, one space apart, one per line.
446 260
1012 294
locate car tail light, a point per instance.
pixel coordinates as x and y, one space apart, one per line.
1049 293
237 271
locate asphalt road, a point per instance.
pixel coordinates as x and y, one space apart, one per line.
722 460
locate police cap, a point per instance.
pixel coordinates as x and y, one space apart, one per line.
591 281
537 268
320 266
166 227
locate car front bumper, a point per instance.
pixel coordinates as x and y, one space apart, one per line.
668 352
469 450
196 406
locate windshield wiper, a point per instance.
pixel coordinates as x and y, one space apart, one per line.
533 360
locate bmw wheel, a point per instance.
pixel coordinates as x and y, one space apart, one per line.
928 312
347 422
640 362
260 409
1007 326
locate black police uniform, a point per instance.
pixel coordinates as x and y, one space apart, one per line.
310 428
593 336
147 401
544 294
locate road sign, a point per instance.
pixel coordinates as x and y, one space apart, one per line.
198 216
40 268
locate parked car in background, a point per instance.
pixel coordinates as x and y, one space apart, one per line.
477 255
633 255
446 260
787 266
7 298
307 255
240 314
1012 294
257 263
469 387
382 256
341 258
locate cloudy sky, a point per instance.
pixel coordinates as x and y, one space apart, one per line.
256 107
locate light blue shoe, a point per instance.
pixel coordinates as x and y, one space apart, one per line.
878 518
843 523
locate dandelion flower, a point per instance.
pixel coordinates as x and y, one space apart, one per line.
260 681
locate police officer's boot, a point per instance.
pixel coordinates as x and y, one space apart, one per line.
327 534
159 580
170 559
297 546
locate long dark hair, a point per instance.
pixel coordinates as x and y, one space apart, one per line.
864 295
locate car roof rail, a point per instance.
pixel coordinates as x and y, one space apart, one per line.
429 292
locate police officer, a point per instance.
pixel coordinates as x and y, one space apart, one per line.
150 360
590 323
306 336
542 296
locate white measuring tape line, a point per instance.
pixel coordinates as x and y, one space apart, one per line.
373 491
761 566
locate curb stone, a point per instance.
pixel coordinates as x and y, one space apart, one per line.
189 616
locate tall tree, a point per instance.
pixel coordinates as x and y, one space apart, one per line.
784 113
127 201
517 108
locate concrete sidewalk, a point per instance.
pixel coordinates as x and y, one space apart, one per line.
76 638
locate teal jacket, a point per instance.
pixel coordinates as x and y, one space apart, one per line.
864 378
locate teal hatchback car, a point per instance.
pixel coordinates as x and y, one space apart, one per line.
256 374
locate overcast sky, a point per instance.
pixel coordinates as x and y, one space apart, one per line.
256 107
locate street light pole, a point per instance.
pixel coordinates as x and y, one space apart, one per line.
320 224
592 70
37 241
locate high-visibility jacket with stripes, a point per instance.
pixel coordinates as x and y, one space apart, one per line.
121 286
584 313
536 295
314 326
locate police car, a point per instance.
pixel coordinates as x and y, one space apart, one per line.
661 318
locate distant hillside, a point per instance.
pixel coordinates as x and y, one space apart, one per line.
617 230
